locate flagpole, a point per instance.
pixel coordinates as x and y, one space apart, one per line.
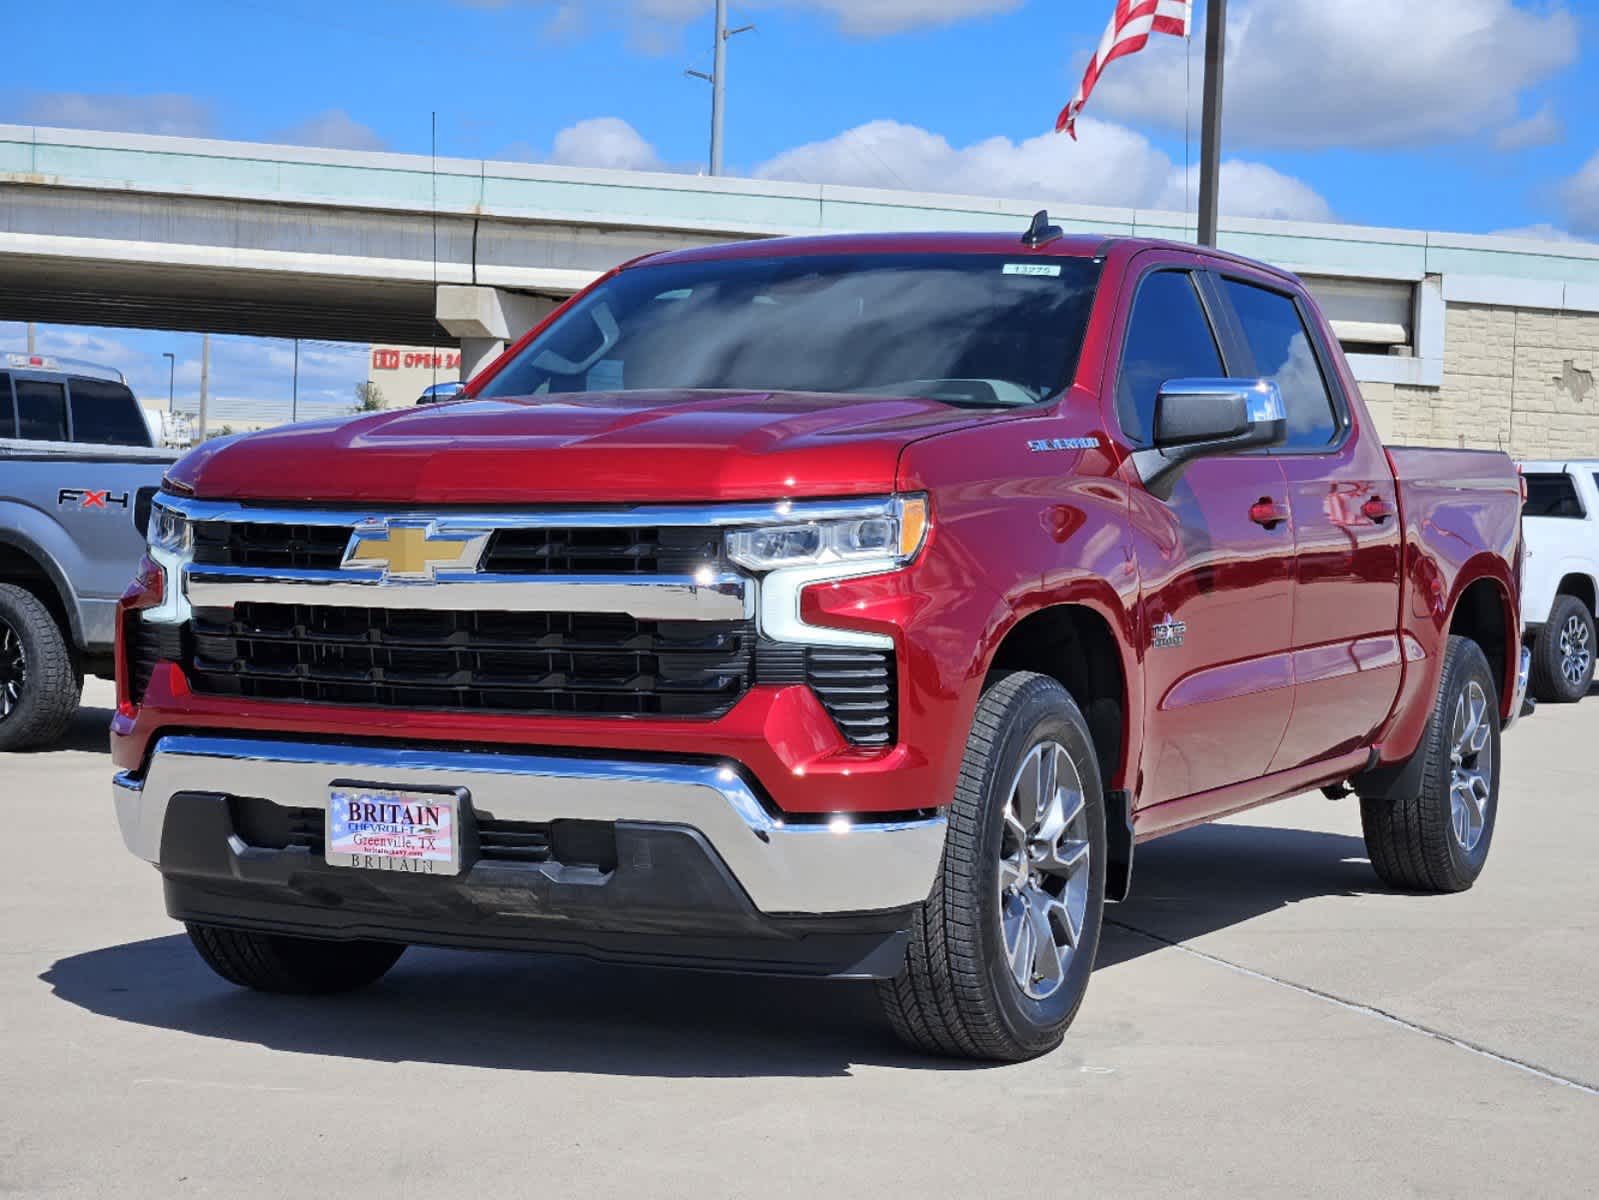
1210 122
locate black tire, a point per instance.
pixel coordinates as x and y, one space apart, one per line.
271 962
1569 619
1411 838
957 995
41 686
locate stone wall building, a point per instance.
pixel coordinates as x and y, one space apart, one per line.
1520 379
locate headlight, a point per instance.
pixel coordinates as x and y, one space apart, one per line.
895 534
169 530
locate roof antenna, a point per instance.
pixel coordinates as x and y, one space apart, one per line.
1041 231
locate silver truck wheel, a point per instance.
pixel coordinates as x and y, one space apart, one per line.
1435 837
1043 870
1002 949
1563 653
39 683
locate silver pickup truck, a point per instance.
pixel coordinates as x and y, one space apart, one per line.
78 466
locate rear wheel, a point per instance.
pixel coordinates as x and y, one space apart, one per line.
1563 655
1001 952
1437 839
39 683
271 962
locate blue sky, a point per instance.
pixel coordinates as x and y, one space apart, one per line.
1472 115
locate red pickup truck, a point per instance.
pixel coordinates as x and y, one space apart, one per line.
842 606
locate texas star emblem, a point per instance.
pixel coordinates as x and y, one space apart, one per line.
1168 634
410 551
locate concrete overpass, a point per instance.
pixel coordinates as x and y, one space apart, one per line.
229 237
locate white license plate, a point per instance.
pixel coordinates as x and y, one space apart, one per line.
380 828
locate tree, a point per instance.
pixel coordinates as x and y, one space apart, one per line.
368 397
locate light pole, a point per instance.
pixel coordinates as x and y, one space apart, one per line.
718 80
172 374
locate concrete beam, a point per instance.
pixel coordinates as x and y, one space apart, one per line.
486 319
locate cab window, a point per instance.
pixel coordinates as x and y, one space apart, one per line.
106 414
1552 494
1168 337
8 410
1284 353
41 410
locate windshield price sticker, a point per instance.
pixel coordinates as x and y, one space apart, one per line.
1049 270
386 829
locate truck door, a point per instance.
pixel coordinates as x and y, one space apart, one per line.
1215 563
1341 493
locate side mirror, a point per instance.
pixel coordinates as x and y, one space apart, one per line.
1197 418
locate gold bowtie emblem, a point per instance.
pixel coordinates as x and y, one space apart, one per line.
408 552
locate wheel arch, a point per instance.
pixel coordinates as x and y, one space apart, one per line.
1075 642
1581 585
24 563
1483 611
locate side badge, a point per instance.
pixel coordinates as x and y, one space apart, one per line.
1168 634
1044 445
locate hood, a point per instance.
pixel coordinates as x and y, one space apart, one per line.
593 448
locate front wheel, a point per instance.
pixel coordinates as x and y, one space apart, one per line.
1001 951
39 683
273 962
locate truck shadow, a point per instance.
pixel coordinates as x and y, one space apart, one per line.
1216 876
89 732
539 1013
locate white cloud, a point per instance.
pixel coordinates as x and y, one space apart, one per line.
1355 72
170 113
1541 232
861 18
333 128
1109 164
1543 128
605 142
1579 196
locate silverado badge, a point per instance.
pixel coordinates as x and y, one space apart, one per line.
412 551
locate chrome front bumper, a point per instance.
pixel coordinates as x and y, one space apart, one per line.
1518 699
837 867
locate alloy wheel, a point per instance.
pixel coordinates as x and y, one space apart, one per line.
1471 766
13 670
1043 870
1576 655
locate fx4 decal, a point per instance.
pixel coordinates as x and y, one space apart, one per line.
89 498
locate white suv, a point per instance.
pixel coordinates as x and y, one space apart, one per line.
1561 524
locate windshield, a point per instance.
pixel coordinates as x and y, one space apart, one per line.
981 331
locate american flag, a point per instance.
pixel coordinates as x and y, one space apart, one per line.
1129 28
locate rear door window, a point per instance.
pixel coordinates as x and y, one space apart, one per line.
41 410
8 411
1284 354
1552 494
106 414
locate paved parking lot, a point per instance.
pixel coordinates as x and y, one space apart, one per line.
1264 1020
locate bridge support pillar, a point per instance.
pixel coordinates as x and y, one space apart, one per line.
485 319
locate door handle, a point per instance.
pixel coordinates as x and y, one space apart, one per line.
1268 513
1377 510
